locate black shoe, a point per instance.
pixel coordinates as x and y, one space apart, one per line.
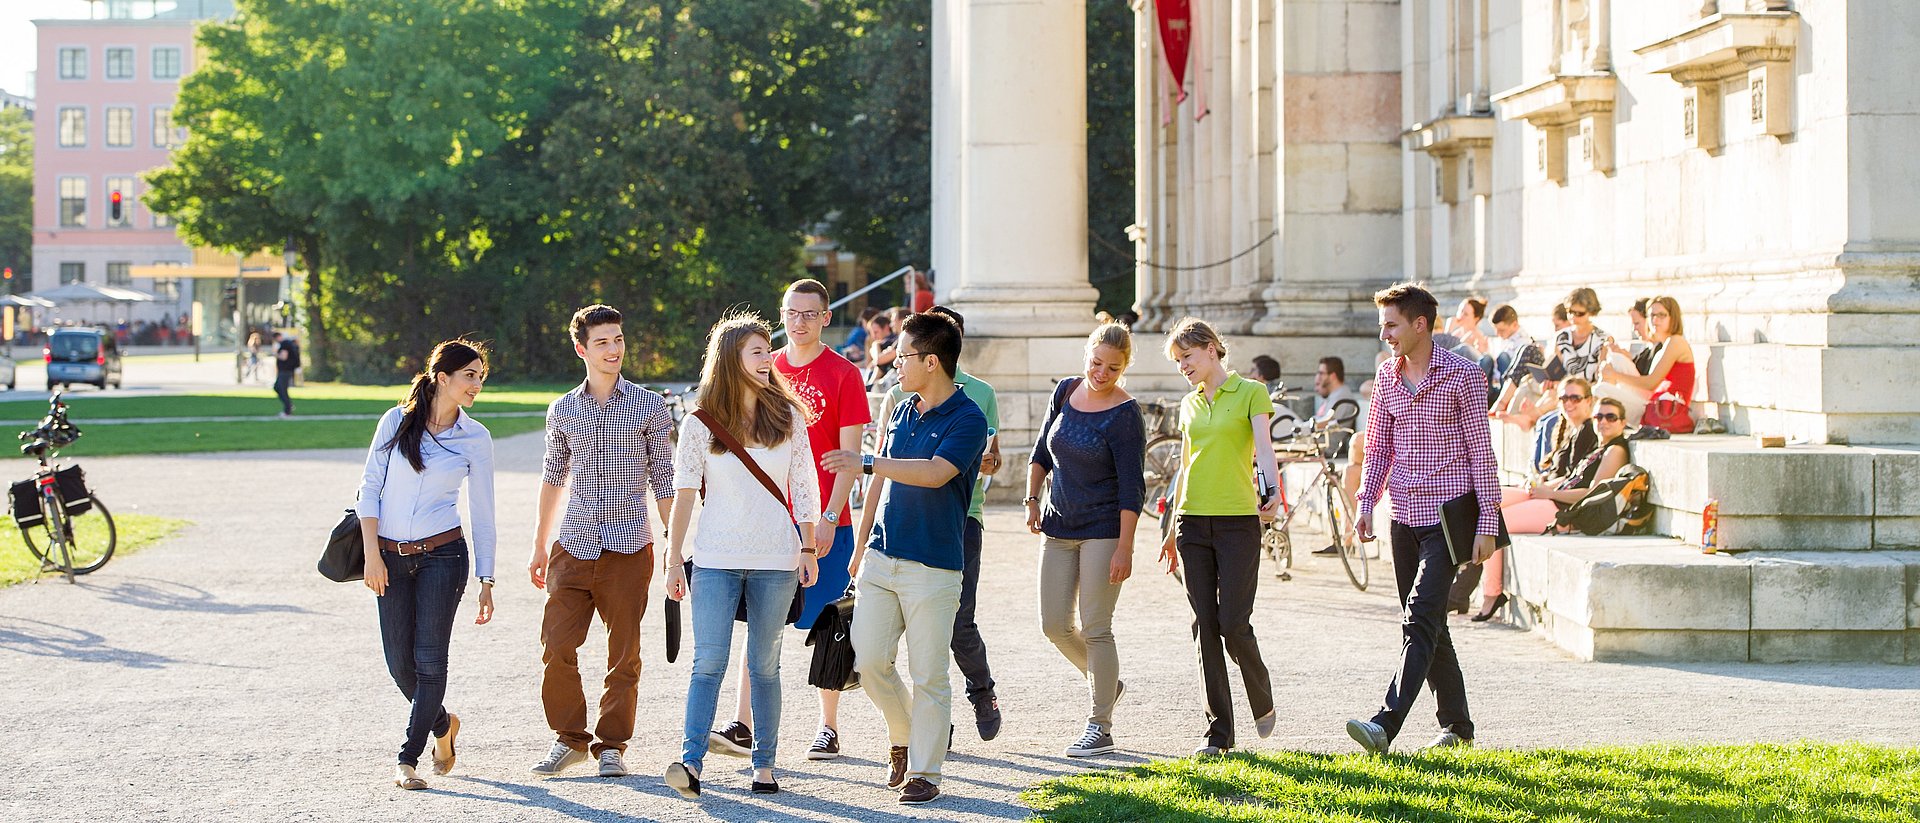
736 740
766 788
918 792
826 746
1329 550
683 780
986 717
1491 609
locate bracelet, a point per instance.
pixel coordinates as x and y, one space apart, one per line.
1031 499
807 550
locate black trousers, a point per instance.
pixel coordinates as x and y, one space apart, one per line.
281 380
1221 559
969 648
1424 571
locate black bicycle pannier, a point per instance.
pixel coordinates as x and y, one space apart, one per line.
72 483
832 642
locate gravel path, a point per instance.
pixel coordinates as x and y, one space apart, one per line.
217 676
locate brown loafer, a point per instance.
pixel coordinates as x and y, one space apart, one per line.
443 746
918 792
405 778
896 766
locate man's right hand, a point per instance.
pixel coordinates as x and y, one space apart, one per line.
1364 529
537 566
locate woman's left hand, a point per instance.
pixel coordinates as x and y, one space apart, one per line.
486 606
809 570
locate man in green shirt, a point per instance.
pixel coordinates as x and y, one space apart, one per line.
969 648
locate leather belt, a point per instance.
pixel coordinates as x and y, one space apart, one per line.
406 548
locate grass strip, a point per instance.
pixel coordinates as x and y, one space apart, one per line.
1803 783
249 435
317 398
133 533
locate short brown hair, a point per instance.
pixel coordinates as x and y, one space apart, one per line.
1560 312
1412 301
1584 298
1193 333
1505 314
1617 406
1336 367
1674 326
813 287
1479 306
598 314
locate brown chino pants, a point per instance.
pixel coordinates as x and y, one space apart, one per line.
616 586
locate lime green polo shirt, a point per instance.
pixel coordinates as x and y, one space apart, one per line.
1216 457
983 396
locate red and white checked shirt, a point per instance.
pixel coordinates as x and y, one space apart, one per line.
1431 445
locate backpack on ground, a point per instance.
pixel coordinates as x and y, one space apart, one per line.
1617 505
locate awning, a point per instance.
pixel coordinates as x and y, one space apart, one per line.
80 293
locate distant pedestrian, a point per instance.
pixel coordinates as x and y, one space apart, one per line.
1091 444
286 364
416 552
1428 443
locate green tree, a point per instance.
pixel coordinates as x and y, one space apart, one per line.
16 198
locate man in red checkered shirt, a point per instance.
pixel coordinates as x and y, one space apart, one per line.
1428 442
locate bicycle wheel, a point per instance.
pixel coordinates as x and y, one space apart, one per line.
1162 462
1353 555
92 537
1279 547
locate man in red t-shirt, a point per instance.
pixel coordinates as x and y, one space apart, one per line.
835 395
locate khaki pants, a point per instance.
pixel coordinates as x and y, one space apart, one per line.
903 597
615 585
1078 571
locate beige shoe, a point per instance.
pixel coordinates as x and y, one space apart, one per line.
443 746
405 778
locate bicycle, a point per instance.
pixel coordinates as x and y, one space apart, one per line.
1313 447
76 532
1161 419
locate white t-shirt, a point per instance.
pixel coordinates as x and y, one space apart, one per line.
741 525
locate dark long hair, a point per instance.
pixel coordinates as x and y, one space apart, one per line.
725 387
447 358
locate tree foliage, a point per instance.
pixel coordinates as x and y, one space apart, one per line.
16 197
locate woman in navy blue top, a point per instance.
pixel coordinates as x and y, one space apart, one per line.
1092 446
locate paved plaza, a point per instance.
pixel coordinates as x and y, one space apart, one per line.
217 676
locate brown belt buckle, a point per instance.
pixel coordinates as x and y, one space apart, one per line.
408 549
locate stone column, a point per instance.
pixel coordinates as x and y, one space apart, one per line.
1012 191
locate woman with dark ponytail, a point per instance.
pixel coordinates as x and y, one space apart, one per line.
416 550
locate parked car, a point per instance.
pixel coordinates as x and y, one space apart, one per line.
82 355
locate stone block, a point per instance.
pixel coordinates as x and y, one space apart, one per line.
1639 583
1317 177
1316 38
1829 646
1896 482
1811 480
1373 36
1610 646
1372 177
1896 533
1345 246
1828 591
1343 108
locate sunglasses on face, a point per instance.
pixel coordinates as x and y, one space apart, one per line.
1608 417
1572 398
1577 312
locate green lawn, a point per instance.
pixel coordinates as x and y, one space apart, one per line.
249 435
1800 782
314 398
134 532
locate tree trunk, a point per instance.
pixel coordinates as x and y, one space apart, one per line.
319 351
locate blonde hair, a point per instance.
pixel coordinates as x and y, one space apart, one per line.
1111 333
1193 333
725 387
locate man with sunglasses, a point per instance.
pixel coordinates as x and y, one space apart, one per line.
1428 442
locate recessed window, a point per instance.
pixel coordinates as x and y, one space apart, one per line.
166 288
119 127
165 135
73 202
120 273
166 63
73 64
73 127
73 273
119 63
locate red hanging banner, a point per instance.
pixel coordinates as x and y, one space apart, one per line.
1176 39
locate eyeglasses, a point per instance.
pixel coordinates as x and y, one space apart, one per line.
1608 417
914 354
803 316
1577 312
1572 398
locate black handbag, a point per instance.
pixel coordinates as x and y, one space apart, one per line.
832 640
345 558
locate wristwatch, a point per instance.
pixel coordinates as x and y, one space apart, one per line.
831 517
866 464
487 580
1031 500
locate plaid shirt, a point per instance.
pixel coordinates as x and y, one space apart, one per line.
1431 445
607 456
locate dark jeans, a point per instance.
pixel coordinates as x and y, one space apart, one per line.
969 648
281 380
1221 559
1424 572
416 627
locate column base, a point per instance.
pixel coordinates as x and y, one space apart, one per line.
1039 310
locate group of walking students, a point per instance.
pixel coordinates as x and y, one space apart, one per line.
772 454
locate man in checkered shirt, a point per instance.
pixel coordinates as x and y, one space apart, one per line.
1428 442
608 441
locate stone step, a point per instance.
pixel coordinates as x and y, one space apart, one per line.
1654 598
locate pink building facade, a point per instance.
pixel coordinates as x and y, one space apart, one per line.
105 97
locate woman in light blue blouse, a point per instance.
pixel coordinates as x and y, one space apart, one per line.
416 550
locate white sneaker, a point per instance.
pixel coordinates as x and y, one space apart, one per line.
611 764
559 759
1448 740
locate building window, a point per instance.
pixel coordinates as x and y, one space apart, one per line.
120 63
123 185
73 202
73 273
120 273
166 63
166 288
165 135
119 127
162 221
73 127
73 64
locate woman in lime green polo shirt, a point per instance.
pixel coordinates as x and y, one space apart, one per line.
1220 514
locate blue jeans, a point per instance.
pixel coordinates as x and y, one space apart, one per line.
716 596
416 627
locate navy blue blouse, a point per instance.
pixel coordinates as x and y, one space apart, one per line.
1095 461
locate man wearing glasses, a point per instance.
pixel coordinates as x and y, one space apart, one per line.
909 578
835 396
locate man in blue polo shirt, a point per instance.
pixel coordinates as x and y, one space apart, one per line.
909 572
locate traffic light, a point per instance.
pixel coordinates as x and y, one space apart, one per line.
114 207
